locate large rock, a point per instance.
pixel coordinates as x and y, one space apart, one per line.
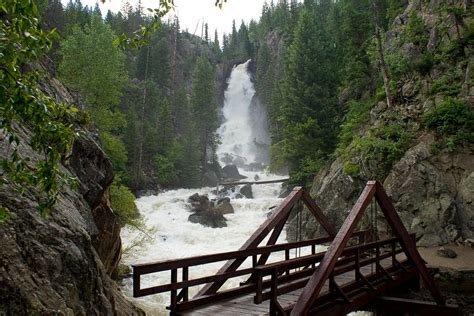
199 203
230 172
246 190
209 213
433 192
223 206
209 219
62 264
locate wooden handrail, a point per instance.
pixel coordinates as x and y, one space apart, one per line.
205 259
342 266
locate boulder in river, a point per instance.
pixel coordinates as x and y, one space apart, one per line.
199 203
223 206
210 179
207 212
230 172
246 191
209 219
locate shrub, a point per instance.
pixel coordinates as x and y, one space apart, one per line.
424 63
357 114
416 31
377 151
448 85
351 169
454 119
398 64
122 202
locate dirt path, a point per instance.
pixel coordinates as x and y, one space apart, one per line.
464 260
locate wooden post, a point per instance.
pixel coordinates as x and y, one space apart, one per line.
185 278
317 280
406 242
174 292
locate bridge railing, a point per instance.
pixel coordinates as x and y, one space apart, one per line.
180 301
352 259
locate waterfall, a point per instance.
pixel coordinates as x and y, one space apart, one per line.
244 133
172 236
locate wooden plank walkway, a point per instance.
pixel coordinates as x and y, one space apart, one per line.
245 305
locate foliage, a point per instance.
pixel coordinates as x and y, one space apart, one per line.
22 44
448 84
356 116
115 150
454 119
83 66
415 30
142 35
375 152
306 113
4 214
165 171
204 109
122 202
395 8
398 64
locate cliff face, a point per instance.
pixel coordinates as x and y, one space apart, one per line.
431 184
62 263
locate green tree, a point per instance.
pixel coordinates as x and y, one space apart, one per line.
92 66
308 102
100 83
204 108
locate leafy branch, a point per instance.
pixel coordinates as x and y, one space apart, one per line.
22 44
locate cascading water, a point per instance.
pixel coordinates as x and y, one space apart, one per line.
166 214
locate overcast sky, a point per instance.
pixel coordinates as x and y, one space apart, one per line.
192 12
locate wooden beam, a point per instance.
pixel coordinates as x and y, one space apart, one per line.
398 306
253 182
278 214
317 280
408 244
318 213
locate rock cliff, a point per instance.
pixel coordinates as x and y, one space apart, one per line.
63 263
430 182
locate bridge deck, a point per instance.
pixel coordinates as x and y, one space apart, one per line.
245 305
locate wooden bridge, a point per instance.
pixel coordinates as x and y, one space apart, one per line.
354 273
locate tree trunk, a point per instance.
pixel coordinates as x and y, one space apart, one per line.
142 123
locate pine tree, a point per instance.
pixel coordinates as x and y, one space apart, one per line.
308 102
204 108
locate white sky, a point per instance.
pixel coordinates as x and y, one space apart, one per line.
192 12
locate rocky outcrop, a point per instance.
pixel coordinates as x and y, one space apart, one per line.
433 192
209 213
62 263
431 184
